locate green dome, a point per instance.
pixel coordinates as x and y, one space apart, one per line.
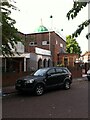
41 28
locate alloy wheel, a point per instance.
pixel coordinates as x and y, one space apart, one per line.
67 85
39 90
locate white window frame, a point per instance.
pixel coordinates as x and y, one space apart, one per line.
45 42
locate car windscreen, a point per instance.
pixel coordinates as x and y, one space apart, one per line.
40 72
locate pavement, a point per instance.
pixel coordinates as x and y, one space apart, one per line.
11 89
8 90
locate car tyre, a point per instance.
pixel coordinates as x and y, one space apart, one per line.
39 89
67 85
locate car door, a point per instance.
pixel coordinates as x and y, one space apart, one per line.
51 78
60 75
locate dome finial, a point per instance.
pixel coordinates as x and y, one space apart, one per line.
41 22
41 28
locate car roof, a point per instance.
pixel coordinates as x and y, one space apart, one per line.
53 67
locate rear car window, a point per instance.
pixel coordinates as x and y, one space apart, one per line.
65 70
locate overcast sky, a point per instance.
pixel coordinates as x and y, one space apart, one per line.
32 11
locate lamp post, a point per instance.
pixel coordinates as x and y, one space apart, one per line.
51 22
49 33
50 38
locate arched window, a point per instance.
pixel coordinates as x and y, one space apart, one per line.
39 63
49 63
44 63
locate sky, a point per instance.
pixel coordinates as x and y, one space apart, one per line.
31 12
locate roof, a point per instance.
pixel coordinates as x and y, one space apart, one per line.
23 55
45 30
86 53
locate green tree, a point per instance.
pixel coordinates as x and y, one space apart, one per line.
77 7
9 32
72 46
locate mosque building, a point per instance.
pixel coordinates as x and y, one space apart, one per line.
44 45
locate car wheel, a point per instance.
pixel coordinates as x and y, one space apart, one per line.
39 89
67 85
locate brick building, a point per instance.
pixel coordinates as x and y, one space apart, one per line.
86 60
47 40
67 59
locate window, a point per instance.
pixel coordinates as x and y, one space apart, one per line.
45 42
61 45
40 72
58 70
33 43
65 71
51 71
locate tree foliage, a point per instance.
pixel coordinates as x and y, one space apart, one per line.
77 7
9 32
72 46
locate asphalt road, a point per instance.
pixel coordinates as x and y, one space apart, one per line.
72 103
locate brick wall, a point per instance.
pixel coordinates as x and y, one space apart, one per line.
76 71
9 79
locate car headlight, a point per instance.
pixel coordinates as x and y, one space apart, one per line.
29 81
